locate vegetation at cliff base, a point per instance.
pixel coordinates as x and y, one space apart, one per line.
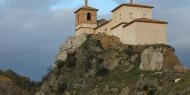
20 81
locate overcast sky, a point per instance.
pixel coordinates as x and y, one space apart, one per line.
31 31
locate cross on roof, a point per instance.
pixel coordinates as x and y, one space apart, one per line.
86 2
131 1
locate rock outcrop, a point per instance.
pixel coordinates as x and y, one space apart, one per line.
101 65
70 45
152 59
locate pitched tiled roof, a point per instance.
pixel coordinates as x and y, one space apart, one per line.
86 8
146 20
132 5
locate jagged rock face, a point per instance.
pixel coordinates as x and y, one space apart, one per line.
70 45
152 59
98 68
53 84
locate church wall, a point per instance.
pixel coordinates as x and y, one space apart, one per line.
118 32
128 13
145 33
150 33
119 16
128 34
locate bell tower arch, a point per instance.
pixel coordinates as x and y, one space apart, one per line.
86 19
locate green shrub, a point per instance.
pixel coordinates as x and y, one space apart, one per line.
101 71
99 60
90 42
21 81
71 59
60 64
150 90
61 88
129 51
130 46
137 61
87 66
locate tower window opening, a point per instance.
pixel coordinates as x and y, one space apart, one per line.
120 16
131 15
78 17
144 15
88 16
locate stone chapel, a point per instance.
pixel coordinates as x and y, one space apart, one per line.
132 23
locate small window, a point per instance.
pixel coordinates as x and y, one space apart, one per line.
144 15
78 17
106 29
131 15
115 19
88 16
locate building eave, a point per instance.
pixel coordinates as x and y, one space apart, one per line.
132 5
146 20
86 8
84 27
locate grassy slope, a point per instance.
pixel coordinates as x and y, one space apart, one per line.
175 88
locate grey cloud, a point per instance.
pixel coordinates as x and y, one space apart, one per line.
170 4
178 19
184 54
30 39
30 4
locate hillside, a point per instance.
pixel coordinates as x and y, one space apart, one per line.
14 84
101 65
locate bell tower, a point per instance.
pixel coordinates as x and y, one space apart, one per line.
86 19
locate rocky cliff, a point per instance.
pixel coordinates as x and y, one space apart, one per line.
101 65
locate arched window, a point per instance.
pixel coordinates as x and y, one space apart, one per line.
144 15
88 16
78 17
131 15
